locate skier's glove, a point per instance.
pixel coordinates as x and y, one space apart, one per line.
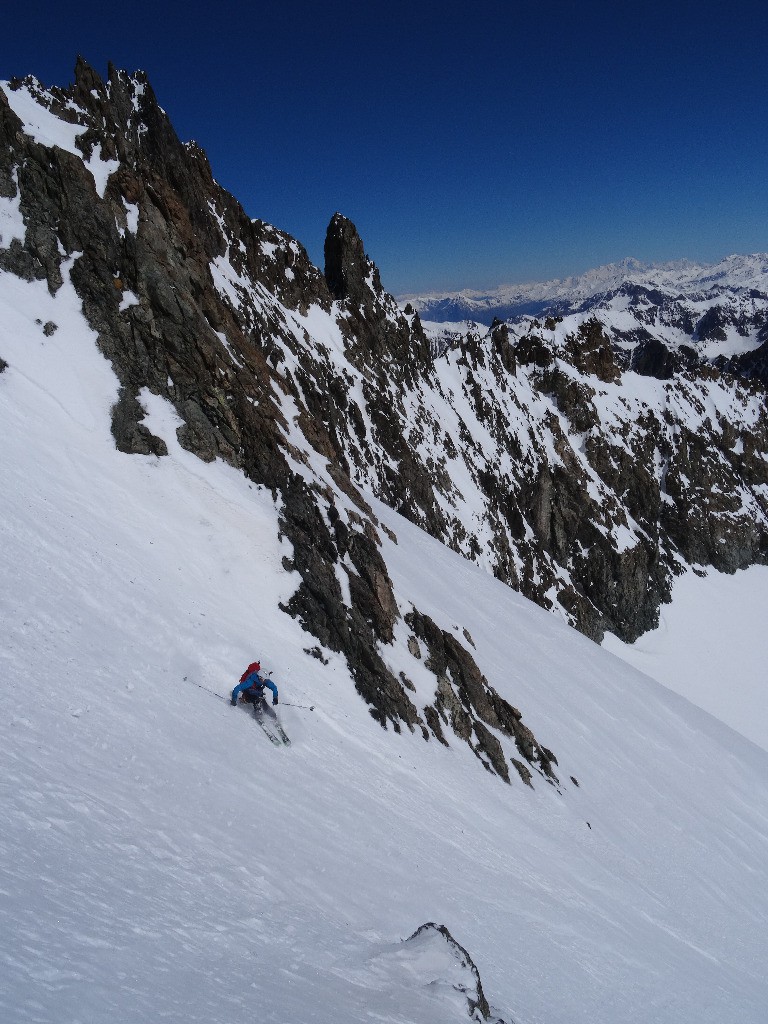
233 702
274 699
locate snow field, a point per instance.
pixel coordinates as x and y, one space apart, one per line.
161 860
711 646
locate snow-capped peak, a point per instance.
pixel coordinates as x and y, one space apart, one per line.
681 276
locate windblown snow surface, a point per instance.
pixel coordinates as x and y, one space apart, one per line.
161 861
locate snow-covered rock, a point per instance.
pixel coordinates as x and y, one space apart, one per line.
432 963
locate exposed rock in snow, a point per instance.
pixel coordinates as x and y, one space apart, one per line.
431 961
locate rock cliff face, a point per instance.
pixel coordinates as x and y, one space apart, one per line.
541 451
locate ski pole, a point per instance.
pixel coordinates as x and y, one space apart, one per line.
201 687
287 704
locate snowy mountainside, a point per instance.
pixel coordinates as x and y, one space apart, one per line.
544 453
161 860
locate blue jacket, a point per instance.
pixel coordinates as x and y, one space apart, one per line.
255 680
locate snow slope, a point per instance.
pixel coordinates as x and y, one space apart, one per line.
159 860
711 646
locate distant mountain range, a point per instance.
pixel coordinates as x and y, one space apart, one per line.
678 277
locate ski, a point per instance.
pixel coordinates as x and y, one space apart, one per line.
271 726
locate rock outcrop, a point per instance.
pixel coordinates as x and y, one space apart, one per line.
432 962
466 703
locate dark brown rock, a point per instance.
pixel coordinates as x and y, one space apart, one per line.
131 436
465 701
348 271
532 350
591 352
523 771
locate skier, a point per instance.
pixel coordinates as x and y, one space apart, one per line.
251 686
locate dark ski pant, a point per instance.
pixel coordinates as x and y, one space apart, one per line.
260 705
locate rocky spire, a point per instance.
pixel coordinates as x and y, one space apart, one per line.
348 271
87 81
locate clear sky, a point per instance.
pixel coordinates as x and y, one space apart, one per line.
472 143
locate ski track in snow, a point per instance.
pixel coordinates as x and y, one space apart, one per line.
162 861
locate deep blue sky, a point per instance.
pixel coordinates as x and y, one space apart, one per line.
472 143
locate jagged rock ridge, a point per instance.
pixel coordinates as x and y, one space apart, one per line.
539 452
226 318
